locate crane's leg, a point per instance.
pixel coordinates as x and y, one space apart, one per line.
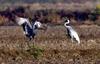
72 39
78 41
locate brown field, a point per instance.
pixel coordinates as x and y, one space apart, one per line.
50 47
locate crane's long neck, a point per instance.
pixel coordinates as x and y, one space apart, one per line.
67 23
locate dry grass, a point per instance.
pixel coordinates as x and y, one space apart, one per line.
55 47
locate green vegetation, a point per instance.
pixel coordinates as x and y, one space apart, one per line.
35 51
97 10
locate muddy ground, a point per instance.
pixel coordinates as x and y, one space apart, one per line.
55 46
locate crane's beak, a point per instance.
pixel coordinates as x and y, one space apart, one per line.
64 19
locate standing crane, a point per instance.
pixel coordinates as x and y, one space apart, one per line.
71 32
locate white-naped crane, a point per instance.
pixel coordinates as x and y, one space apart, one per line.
26 25
71 32
29 29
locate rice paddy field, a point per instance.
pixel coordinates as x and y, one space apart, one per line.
51 46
